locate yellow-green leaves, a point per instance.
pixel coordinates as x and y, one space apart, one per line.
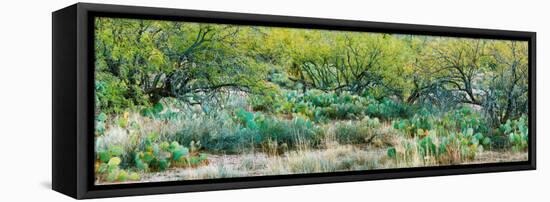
115 161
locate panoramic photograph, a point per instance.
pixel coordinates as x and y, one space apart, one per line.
177 101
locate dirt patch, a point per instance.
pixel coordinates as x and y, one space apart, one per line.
498 157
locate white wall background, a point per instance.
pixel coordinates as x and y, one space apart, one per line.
25 99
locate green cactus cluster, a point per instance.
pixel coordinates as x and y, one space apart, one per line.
448 147
108 166
100 120
160 155
467 143
517 132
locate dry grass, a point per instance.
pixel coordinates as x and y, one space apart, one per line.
335 158
331 157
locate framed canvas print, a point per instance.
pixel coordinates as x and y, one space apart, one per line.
155 100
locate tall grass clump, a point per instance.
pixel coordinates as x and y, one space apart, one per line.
269 132
354 132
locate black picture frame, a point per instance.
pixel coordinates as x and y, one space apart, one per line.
73 93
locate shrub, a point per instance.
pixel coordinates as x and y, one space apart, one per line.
319 99
108 164
320 106
262 130
217 131
467 143
416 126
158 156
111 172
115 142
357 132
153 111
427 147
245 131
463 119
462 145
112 95
291 133
453 147
266 101
388 109
100 120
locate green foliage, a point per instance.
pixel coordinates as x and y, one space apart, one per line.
460 120
216 131
320 106
159 155
139 62
392 153
518 133
388 109
416 126
111 95
266 100
246 130
153 111
113 151
289 132
508 87
215 88
357 132
427 146
100 120
455 137
178 152
320 99
108 166
465 119
245 118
